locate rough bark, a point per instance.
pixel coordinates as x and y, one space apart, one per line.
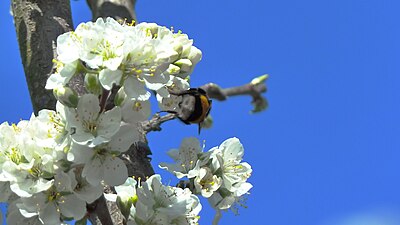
38 24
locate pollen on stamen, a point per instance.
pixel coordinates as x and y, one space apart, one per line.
137 106
136 71
132 23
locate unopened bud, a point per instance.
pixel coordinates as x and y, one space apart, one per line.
195 55
124 207
185 65
178 47
259 80
119 97
92 84
173 57
67 96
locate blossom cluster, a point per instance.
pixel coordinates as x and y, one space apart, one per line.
55 163
35 171
218 174
135 58
154 203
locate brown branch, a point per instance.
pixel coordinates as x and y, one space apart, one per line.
99 209
221 94
38 23
118 9
255 89
154 123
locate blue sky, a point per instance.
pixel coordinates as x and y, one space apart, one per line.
327 149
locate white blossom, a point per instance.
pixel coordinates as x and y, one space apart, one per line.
15 217
228 157
218 174
135 110
101 43
206 182
24 164
56 201
186 158
91 126
63 74
162 205
101 162
84 190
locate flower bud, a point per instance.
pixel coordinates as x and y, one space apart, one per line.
174 56
185 65
195 55
119 97
67 96
178 47
92 83
124 206
183 40
260 79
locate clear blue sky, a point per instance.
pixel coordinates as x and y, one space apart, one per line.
328 149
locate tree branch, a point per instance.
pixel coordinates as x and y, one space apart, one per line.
38 24
220 94
154 123
99 209
118 9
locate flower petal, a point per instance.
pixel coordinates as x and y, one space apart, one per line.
115 172
108 77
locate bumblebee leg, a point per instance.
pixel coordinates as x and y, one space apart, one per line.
169 111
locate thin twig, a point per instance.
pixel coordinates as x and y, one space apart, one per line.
103 99
154 123
221 94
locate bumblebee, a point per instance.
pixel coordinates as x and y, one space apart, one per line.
194 106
